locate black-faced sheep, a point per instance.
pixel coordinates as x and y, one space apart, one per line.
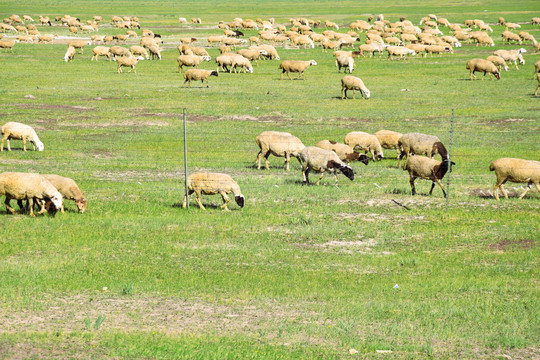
321 161
362 141
420 144
343 151
517 171
427 168
280 144
212 184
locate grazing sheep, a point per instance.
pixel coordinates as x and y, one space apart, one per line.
215 39
120 51
333 45
182 20
371 48
79 44
8 45
420 144
320 160
198 74
536 68
139 51
252 55
512 56
70 53
225 61
27 18
18 131
128 62
187 40
155 52
148 41
97 38
242 63
45 20
510 25
517 171
121 37
361 141
271 52
345 61
29 186
498 61
429 169
353 83
389 139
298 66
400 51
538 87
330 24
438 49
280 144
212 184
484 66
199 51
101 51
190 61
343 151
69 190
508 36
535 20
451 40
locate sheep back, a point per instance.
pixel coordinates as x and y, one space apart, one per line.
362 141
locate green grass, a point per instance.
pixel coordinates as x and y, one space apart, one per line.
301 271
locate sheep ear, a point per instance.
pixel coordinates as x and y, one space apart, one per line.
331 164
333 142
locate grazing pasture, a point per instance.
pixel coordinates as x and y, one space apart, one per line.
358 270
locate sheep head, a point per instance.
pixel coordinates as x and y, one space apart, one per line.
81 205
312 63
345 169
240 200
39 145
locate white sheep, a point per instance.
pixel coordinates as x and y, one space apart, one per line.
242 63
536 68
225 61
372 48
101 51
155 52
69 190
389 139
271 52
252 55
538 87
79 44
361 141
512 56
212 184
139 51
8 44
345 61
420 144
190 61
429 169
280 144
353 83
343 151
120 51
29 186
128 62
298 66
517 171
439 49
321 161
18 131
508 36
498 61
484 66
70 53
198 74
400 51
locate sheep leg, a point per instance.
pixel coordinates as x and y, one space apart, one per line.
207 84
198 199
305 174
24 145
287 159
536 91
411 181
319 181
472 75
258 160
440 184
184 83
343 93
8 207
132 68
226 200
288 75
5 137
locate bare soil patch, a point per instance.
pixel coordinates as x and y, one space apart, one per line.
508 245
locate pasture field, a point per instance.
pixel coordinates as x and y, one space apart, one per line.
304 272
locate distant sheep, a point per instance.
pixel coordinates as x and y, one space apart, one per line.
343 151
120 51
429 169
101 51
128 62
70 53
29 186
212 184
420 144
79 44
517 171
280 144
18 131
7 44
361 141
353 83
321 161
498 62
295 66
400 51
198 74
512 56
139 51
190 61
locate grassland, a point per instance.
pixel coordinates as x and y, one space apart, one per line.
301 271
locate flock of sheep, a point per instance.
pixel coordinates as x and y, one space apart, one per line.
399 39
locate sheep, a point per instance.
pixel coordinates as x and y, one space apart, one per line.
361 141
321 160
199 51
187 40
538 87
280 144
417 48
70 53
182 20
536 68
484 40
299 66
512 56
389 139
371 48
429 169
215 39
29 186
139 51
25 38
331 45
330 24
128 61
451 40
8 45
121 37
148 41
508 36
28 18
233 42
242 62
400 51
510 25
525 36
252 55
155 52
345 61
484 66
420 144
498 61
69 190
225 61
120 51
535 20
343 151
79 44
45 20
212 184
303 40
536 47
271 52
190 60
438 49
517 171
224 49
18 131
353 83
198 74
97 38
101 51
